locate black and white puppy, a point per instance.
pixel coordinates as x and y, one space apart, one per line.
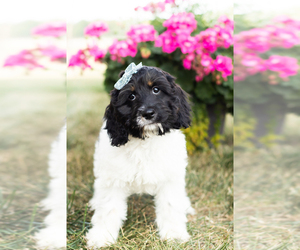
141 150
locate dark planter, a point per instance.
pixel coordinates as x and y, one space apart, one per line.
216 113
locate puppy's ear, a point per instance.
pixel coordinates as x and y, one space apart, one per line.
116 131
121 73
182 104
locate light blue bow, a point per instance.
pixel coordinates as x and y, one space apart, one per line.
131 69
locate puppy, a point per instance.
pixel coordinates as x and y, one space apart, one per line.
141 150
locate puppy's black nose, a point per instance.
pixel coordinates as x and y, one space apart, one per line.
149 114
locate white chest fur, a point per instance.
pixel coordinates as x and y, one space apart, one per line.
140 165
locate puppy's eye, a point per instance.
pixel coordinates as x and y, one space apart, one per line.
155 90
132 97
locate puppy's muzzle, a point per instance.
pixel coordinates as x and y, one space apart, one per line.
149 114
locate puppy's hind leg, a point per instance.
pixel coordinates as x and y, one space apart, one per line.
110 206
172 205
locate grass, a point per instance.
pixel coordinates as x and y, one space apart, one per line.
267 193
267 204
32 112
209 185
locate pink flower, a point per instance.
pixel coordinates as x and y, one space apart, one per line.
54 53
24 59
167 41
141 33
186 42
215 37
50 29
97 53
147 8
79 60
224 65
284 65
207 63
187 64
198 78
253 63
188 45
153 7
184 20
283 37
229 24
255 40
208 39
123 48
161 6
177 35
224 37
96 29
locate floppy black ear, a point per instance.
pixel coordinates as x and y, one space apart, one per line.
182 104
116 131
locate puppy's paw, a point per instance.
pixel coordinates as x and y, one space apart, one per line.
180 235
98 238
50 238
191 211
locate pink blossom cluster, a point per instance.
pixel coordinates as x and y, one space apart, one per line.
96 29
155 7
50 29
121 49
53 52
197 49
97 53
249 45
206 65
25 59
216 37
178 33
80 60
285 66
141 33
251 64
128 47
263 39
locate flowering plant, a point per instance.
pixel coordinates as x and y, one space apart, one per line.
29 59
265 59
267 83
199 57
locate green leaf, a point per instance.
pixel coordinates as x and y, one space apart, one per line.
205 91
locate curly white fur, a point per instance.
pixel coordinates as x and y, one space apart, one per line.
155 166
53 236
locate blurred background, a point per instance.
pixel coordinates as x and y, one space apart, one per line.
33 110
266 125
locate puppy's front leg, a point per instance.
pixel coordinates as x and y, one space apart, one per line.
110 206
172 205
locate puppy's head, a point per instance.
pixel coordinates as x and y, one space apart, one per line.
151 103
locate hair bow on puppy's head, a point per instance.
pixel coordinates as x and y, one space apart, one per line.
131 69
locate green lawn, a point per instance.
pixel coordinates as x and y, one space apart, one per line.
267 198
209 185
